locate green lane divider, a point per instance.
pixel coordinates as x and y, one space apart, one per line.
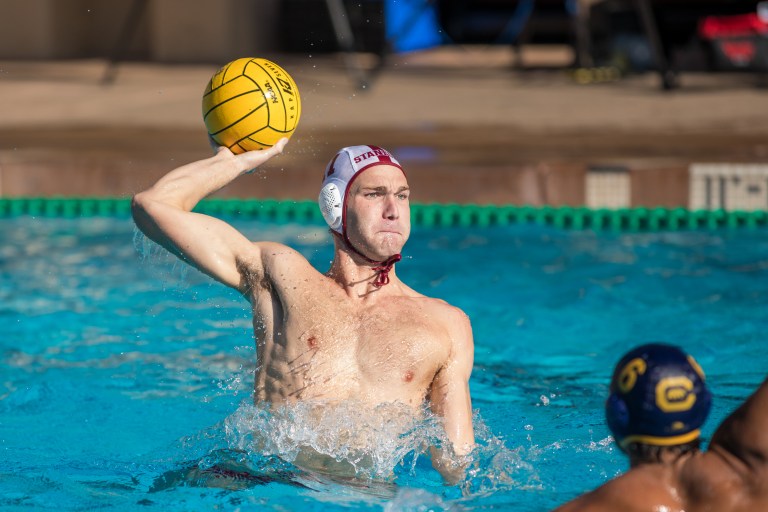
427 215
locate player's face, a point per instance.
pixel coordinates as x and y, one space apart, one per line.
379 212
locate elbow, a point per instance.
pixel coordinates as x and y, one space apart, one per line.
138 206
140 210
137 203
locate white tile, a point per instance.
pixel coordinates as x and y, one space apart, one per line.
607 189
728 186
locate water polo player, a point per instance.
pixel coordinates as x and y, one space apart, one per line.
356 333
657 404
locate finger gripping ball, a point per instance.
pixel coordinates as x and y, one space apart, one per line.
250 104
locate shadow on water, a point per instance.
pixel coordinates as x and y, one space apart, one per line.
230 471
234 470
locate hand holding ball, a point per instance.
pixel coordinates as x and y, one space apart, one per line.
250 104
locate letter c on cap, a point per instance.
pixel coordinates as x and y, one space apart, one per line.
675 394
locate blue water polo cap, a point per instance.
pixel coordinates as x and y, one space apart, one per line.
658 396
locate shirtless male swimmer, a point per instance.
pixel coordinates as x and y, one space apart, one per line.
356 333
658 400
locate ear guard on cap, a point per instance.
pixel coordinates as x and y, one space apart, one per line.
617 416
330 201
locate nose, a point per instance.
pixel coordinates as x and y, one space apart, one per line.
391 210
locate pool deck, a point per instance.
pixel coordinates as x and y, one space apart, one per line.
468 127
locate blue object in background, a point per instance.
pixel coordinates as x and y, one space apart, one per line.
411 25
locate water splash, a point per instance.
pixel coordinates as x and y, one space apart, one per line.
345 439
496 467
375 453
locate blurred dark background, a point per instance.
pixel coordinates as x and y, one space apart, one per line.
543 101
599 32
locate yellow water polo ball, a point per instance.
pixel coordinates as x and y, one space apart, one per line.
250 104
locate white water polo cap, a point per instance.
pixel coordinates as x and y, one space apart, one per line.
342 170
340 173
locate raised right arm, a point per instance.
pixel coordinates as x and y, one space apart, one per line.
164 213
743 437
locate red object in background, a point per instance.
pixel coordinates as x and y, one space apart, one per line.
742 25
739 41
739 52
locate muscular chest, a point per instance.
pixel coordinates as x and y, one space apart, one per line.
404 342
397 342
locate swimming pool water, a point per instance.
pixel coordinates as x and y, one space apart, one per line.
122 372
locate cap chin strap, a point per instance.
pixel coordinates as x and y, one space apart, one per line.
382 268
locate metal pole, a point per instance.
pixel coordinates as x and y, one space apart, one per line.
668 78
124 39
346 40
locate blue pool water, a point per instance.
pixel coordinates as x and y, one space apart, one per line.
124 375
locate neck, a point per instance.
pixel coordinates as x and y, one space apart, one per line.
360 274
662 456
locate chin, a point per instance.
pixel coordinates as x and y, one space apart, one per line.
392 243
380 246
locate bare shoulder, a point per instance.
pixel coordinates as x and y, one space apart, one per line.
437 306
454 319
275 253
274 263
605 498
737 458
459 328
451 315
635 491
718 480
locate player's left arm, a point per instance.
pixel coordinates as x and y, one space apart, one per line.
450 398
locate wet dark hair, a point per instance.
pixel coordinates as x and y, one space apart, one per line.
641 453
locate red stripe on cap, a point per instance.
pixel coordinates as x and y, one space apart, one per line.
385 158
331 167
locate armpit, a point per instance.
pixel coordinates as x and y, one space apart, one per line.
252 276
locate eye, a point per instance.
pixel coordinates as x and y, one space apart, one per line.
402 195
